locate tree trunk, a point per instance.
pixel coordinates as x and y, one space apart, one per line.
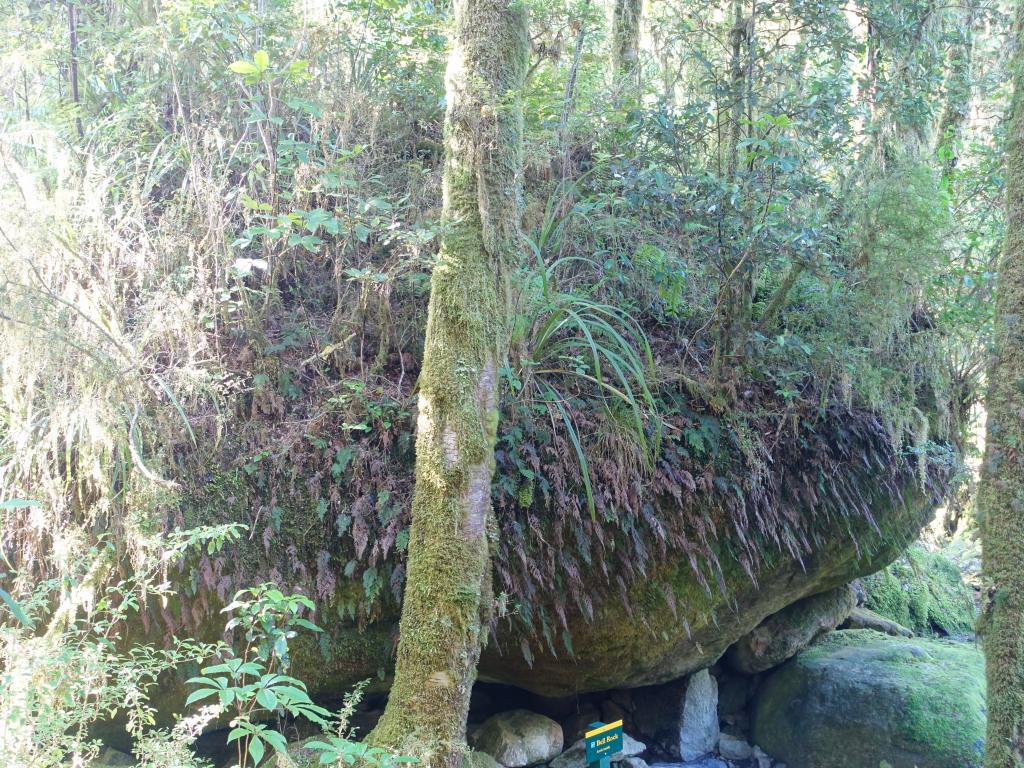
958 88
447 592
626 43
569 99
73 67
735 293
1001 498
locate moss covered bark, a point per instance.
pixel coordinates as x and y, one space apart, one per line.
447 586
957 104
626 42
1001 498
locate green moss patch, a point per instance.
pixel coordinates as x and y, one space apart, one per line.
923 591
860 697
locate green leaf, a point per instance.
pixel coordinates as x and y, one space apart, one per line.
243 68
256 749
262 60
19 503
15 609
266 698
199 695
216 682
249 668
276 740
289 695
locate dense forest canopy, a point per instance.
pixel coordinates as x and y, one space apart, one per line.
751 257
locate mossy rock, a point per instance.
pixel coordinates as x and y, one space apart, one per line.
518 738
860 698
658 641
781 636
923 591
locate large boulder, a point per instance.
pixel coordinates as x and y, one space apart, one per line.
519 738
656 641
792 629
860 699
659 641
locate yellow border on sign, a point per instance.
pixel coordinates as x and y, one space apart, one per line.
602 729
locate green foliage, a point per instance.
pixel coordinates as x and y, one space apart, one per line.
335 750
253 681
563 335
74 672
213 301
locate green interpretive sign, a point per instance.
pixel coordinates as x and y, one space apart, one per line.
602 742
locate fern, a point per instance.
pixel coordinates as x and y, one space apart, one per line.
568 345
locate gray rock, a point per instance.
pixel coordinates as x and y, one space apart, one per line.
698 728
782 635
681 715
630 748
519 738
734 748
576 755
633 762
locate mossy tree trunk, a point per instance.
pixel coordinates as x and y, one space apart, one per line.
447 593
1001 498
626 45
957 104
